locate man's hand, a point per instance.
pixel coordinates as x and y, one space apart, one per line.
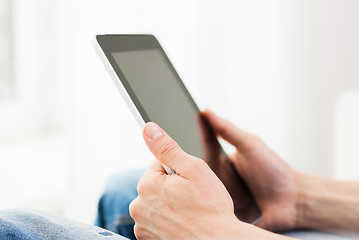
191 204
272 182
185 205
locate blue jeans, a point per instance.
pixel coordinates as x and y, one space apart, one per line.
23 224
113 212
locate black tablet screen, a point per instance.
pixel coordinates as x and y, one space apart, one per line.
158 90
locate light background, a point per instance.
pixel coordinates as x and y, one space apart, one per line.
285 70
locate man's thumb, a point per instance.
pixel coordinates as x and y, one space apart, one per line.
163 147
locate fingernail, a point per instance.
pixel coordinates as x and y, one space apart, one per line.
153 131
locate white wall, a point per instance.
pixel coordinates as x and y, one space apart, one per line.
34 129
346 136
323 54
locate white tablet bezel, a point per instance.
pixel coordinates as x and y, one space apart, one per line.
122 90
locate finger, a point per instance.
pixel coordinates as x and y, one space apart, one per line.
164 148
155 167
210 145
143 233
262 222
226 130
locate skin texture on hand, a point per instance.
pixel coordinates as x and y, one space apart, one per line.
192 204
272 182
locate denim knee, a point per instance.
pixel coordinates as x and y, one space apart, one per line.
113 208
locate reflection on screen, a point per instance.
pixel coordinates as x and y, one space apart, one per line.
163 98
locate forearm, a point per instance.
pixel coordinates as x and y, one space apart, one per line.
326 204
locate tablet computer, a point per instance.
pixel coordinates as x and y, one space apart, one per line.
154 92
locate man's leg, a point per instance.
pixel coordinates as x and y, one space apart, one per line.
24 224
113 213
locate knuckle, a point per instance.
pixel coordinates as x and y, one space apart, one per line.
133 209
141 232
168 148
136 211
142 186
137 231
148 186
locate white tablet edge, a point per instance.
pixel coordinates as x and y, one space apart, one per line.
122 90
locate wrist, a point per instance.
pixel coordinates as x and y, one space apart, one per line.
303 197
326 204
312 201
236 229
